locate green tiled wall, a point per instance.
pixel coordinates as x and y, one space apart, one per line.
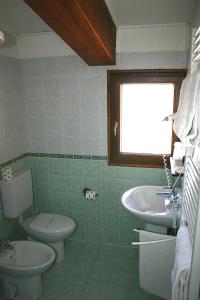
58 185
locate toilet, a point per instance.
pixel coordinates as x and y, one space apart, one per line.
48 228
52 229
21 267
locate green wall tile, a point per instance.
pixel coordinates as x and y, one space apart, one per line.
42 198
93 183
75 184
111 186
111 172
110 236
93 235
92 168
127 184
78 215
58 166
41 182
41 165
58 199
93 220
110 204
58 185
75 200
110 222
28 161
92 206
127 236
75 167
79 234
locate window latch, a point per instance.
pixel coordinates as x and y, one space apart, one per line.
116 125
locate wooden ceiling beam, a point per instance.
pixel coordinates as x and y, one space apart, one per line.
85 25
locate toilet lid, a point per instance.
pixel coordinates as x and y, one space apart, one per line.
51 223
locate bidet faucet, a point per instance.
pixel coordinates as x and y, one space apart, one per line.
5 245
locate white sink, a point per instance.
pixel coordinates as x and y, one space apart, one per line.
144 203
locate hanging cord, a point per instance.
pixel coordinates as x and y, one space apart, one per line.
174 185
174 204
174 209
169 184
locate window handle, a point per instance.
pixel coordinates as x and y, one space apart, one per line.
116 125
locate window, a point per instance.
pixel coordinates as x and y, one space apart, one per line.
138 101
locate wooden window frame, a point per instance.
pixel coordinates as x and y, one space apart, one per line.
114 79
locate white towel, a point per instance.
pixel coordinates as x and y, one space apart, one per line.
155 264
184 124
181 270
194 136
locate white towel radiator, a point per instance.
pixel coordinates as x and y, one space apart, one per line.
191 188
191 215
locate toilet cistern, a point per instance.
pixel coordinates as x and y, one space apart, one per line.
50 228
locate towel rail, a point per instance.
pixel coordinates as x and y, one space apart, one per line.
151 242
191 195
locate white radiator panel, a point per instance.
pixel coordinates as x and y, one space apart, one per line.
191 215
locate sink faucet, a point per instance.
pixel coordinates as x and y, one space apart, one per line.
171 194
5 245
165 193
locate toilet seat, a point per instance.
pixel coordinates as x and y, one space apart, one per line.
52 223
64 227
49 228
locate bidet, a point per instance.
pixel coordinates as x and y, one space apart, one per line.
5 245
21 267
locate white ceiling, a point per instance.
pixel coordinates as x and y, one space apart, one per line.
149 12
16 16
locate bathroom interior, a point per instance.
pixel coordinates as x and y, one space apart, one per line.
55 157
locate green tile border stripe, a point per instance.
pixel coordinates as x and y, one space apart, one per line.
13 160
72 156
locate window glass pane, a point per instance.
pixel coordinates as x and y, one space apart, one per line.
143 106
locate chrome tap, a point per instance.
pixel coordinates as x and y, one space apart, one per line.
170 194
165 194
5 245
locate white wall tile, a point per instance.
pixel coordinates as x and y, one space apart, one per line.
70 87
52 87
72 145
90 126
53 127
53 108
90 145
166 59
70 107
55 144
38 143
78 99
71 127
59 104
12 129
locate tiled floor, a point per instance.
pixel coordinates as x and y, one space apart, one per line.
95 272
